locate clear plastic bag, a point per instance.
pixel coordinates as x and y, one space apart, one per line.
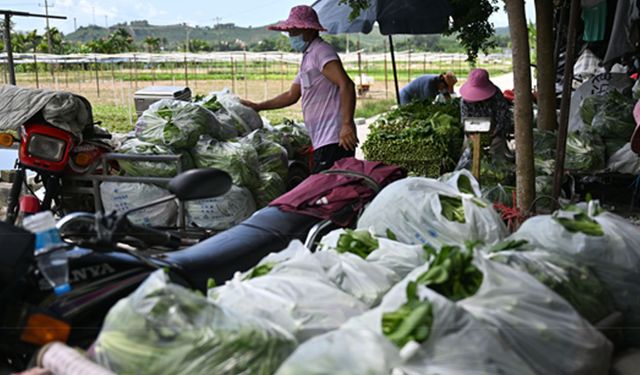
537 324
395 256
271 187
122 196
304 305
272 157
135 146
245 116
457 342
223 212
426 211
163 328
612 250
624 161
238 159
179 124
366 281
343 352
573 281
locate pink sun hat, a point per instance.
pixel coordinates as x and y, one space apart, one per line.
300 17
635 138
478 87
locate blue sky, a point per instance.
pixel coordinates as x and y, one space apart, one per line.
163 12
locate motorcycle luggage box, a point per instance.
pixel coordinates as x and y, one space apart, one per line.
145 97
241 247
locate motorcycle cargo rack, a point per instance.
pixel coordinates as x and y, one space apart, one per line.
89 183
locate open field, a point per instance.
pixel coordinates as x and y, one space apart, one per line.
110 84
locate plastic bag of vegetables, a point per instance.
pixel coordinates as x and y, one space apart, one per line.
271 187
248 118
573 281
426 211
272 157
135 146
624 161
434 335
123 196
537 324
223 212
615 116
585 152
179 124
163 328
305 306
395 256
238 159
343 352
607 243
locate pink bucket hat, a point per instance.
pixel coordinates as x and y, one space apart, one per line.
300 17
478 87
635 138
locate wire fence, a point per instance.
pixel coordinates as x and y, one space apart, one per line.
112 80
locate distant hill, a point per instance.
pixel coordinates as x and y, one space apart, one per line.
173 34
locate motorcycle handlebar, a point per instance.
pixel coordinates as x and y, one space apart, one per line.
154 237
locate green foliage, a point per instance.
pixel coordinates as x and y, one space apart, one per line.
410 322
422 137
470 24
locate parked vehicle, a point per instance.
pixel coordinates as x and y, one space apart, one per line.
53 154
108 257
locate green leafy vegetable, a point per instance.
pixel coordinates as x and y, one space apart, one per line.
580 222
359 242
411 322
260 270
451 272
452 208
422 137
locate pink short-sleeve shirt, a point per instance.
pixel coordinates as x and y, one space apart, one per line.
320 97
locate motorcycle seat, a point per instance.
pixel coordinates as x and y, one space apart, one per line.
241 247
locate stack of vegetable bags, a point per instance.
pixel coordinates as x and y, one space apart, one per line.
163 328
607 243
457 314
423 138
216 131
426 211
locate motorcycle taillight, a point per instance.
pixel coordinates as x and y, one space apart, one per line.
45 147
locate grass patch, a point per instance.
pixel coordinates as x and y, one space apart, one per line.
114 118
370 107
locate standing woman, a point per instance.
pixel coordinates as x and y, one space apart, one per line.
327 92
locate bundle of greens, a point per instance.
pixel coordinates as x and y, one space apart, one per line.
359 242
239 159
422 137
410 322
575 282
451 272
163 328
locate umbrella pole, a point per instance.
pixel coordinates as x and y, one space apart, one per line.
395 71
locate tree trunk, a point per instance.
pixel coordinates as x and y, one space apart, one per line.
523 114
545 65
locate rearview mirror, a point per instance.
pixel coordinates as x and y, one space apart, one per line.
200 184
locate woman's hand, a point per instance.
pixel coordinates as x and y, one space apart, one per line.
348 137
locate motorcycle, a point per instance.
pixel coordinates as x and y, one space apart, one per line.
108 257
54 155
